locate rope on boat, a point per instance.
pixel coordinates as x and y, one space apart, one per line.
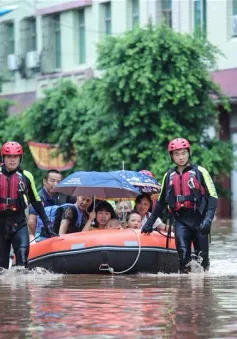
112 271
164 234
35 238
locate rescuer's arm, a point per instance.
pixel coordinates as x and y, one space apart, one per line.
212 199
35 200
158 209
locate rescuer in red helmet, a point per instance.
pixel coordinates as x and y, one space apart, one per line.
16 187
190 194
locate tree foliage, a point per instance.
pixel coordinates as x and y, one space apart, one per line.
155 86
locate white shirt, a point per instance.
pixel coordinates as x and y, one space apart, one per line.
145 218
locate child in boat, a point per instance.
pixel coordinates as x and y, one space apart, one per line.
134 220
113 224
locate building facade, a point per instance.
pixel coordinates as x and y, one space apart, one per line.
43 41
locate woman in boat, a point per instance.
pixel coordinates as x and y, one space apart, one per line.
143 206
99 218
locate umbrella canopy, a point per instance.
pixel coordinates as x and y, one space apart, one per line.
104 185
144 183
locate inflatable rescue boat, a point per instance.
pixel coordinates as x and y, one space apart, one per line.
101 251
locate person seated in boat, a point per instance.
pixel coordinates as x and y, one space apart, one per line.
113 224
154 197
143 205
123 208
67 218
74 218
99 218
134 220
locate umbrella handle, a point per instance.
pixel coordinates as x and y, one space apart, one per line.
94 203
93 222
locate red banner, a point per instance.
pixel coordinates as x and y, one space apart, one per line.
46 157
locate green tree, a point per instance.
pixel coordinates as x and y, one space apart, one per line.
155 86
53 119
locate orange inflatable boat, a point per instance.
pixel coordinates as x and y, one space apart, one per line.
112 251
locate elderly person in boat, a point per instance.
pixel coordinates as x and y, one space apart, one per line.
100 217
74 217
122 209
143 205
68 218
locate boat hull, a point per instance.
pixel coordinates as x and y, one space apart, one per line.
112 251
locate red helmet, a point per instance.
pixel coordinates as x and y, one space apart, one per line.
147 173
178 143
12 148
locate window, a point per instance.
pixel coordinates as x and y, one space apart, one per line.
234 18
200 13
31 34
57 40
7 43
135 13
167 12
51 44
28 35
107 11
234 7
10 38
82 37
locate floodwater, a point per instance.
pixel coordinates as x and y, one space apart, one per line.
199 305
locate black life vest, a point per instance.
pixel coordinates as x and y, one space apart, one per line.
12 191
185 191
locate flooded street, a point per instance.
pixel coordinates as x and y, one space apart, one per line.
200 305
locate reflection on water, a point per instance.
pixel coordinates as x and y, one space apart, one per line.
45 305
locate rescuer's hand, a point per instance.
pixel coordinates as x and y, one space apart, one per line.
205 226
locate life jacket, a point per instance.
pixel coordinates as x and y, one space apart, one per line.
185 190
12 191
51 214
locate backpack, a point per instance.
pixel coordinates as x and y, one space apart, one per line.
52 212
